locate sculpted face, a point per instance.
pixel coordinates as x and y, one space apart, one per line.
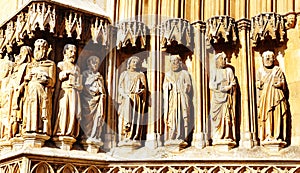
40 51
70 53
268 59
94 64
221 61
175 63
133 63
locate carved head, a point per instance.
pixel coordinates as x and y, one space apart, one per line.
290 21
40 49
69 53
220 60
25 55
176 62
268 59
93 63
133 63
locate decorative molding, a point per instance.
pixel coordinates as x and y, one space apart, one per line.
152 167
178 30
267 26
221 28
130 32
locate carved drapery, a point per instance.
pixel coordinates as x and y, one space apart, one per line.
178 30
131 32
58 20
221 29
267 26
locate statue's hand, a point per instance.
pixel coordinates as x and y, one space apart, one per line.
278 84
259 84
225 88
140 91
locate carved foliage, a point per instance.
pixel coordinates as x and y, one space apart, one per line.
221 28
131 32
175 30
99 30
267 26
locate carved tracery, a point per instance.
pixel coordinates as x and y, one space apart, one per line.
178 30
221 29
267 26
131 32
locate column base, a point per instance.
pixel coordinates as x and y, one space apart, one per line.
273 146
246 140
64 142
34 140
108 141
224 144
198 140
153 141
92 145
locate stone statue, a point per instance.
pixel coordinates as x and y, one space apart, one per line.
272 104
17 85
40 79
69 105
222 110
5 73
177 87
93 99
132 98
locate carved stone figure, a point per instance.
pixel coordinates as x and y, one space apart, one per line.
5 72
272 103
222 110
177 102
69 106
132 98
93 99
38 95
17 86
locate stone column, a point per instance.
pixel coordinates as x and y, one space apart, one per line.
154 114
111 76
247 86
200 101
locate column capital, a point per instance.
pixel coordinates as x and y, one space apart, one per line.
243 24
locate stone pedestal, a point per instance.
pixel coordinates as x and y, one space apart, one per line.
129 145
5 145
34 139
17 143
175 145
224 144
92 145
273 146
64 142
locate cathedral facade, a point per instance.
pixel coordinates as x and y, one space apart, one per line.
149 86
